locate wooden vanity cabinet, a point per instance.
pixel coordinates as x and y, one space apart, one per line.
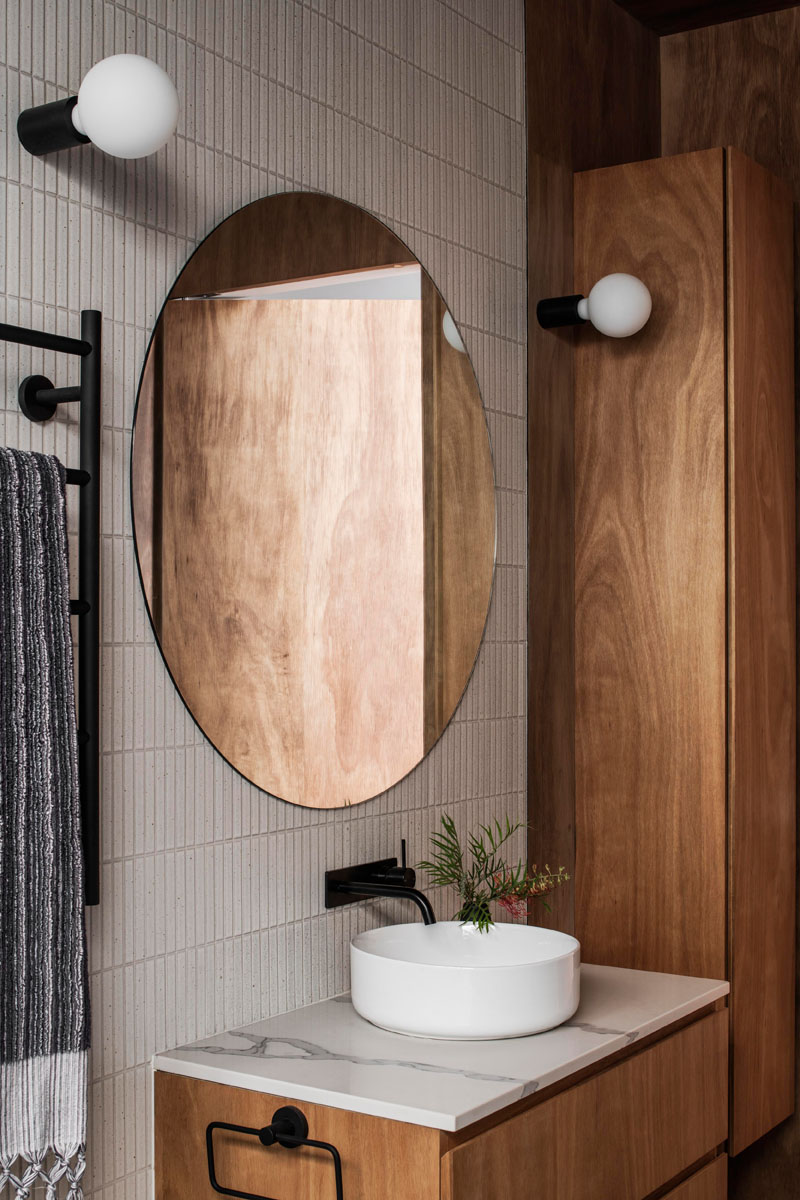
685 600
709 1183
623 1132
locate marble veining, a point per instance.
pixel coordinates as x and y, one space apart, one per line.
268 1048
587 1027
327 1054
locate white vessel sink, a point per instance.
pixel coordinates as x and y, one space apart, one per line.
449 981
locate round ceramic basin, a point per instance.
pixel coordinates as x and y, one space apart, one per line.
450 981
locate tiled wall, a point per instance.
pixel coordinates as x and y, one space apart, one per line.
212 913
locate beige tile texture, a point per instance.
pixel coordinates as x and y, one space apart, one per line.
212 910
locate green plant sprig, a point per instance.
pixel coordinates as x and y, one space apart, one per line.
482 877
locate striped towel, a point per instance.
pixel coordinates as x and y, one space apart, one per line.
44 1010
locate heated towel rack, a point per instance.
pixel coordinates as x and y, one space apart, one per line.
38 400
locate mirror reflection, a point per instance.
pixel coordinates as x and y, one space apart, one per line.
313 500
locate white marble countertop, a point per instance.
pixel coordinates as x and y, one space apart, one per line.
327 1054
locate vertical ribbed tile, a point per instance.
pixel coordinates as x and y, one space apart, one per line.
212 909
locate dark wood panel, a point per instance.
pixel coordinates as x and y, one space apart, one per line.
672 16
623 1133
761 647
551 769
709 1183
293 235
650 575
719 88
592 88
615 103
737 85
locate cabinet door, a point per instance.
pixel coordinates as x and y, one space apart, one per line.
710 1183
379 1157
618 1136
761 778
650 570
685 592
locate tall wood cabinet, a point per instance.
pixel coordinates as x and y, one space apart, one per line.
685 600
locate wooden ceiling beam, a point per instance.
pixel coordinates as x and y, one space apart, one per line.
675 16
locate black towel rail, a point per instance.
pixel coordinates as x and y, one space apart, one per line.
38 400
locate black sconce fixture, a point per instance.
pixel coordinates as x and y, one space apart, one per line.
127 105
618 305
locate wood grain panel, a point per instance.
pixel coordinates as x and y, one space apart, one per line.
603 68
288 483
719 88
459 518
650 575
709 1183
551 665
672 16
620 1135
379 1157
291 538
762 647
293 235
615 101
736 84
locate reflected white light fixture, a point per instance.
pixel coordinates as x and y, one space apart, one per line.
450 331
127 105
618 305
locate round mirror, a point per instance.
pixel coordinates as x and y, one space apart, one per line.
313 499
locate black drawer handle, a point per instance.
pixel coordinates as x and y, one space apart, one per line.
289 1128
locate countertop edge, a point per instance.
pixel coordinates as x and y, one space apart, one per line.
447 1122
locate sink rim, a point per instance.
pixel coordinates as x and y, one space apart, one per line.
368 936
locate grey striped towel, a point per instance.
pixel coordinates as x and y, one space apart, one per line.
44 1010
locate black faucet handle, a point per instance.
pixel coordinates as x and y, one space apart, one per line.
401 876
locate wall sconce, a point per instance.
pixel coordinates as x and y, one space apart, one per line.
618 305
127 105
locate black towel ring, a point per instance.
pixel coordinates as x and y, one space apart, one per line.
289 1128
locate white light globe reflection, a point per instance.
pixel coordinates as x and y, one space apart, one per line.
618 305
450 331
127 105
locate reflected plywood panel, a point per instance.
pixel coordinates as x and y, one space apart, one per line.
290 540
347 701
459 517
291 235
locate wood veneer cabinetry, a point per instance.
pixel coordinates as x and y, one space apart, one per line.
709 1183
656 1114
660 1114
684 581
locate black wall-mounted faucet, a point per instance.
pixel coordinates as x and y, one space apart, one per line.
381 878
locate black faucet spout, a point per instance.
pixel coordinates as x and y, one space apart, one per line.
365 887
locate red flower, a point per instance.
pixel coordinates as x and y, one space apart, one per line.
515 905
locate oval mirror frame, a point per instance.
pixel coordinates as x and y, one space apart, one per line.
323 674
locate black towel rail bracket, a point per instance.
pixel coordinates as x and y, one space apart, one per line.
38 400
289 1128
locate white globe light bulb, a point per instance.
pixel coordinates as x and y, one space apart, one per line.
618 305
450 331
127 105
